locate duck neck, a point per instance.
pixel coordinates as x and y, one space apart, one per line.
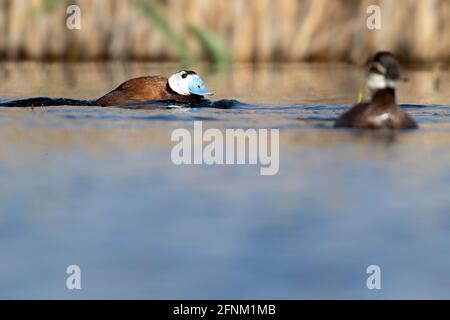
384 96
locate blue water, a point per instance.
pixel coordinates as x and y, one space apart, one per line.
96 187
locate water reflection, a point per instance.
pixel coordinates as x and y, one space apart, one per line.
96 187
262 84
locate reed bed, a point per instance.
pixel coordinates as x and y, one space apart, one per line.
417 31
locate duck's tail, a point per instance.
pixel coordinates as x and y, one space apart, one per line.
46 102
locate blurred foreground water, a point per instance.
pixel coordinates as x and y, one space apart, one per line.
96 187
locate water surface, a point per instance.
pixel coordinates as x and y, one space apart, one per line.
96 187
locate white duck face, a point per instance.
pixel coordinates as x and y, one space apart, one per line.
377 81
384 72
188 83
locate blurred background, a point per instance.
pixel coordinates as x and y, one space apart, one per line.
96 187
237 30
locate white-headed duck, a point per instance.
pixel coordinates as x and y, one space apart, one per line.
382 111
184 86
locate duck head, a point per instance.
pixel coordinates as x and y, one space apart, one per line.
384 72
188 83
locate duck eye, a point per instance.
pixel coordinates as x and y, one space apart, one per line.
184 75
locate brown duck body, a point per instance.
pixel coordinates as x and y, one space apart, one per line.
143 89
382 112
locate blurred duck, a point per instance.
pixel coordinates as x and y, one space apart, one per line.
382 111
184 86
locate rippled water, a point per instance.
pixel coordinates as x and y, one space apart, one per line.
96 187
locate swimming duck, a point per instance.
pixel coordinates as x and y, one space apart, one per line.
184 86
382 111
